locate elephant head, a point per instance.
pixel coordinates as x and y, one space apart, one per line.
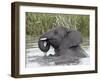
58 38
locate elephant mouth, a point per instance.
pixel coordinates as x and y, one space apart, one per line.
53 42
45 42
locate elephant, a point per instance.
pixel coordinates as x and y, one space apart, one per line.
65 42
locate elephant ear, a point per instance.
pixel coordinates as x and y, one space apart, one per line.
43 45
71 39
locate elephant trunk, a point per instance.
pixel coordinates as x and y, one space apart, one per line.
44 44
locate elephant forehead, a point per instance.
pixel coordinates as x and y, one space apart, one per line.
47 35
60 33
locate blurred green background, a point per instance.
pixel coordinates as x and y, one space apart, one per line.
39 23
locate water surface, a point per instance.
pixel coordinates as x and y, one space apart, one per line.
36 58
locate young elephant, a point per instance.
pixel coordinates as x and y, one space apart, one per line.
64 41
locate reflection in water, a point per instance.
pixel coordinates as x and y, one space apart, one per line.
36 58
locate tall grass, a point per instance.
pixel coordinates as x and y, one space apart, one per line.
38 23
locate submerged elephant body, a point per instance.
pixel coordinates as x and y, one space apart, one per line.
66 42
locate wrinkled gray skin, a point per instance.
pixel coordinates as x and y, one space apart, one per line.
64 41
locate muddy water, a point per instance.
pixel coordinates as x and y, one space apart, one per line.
36 58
